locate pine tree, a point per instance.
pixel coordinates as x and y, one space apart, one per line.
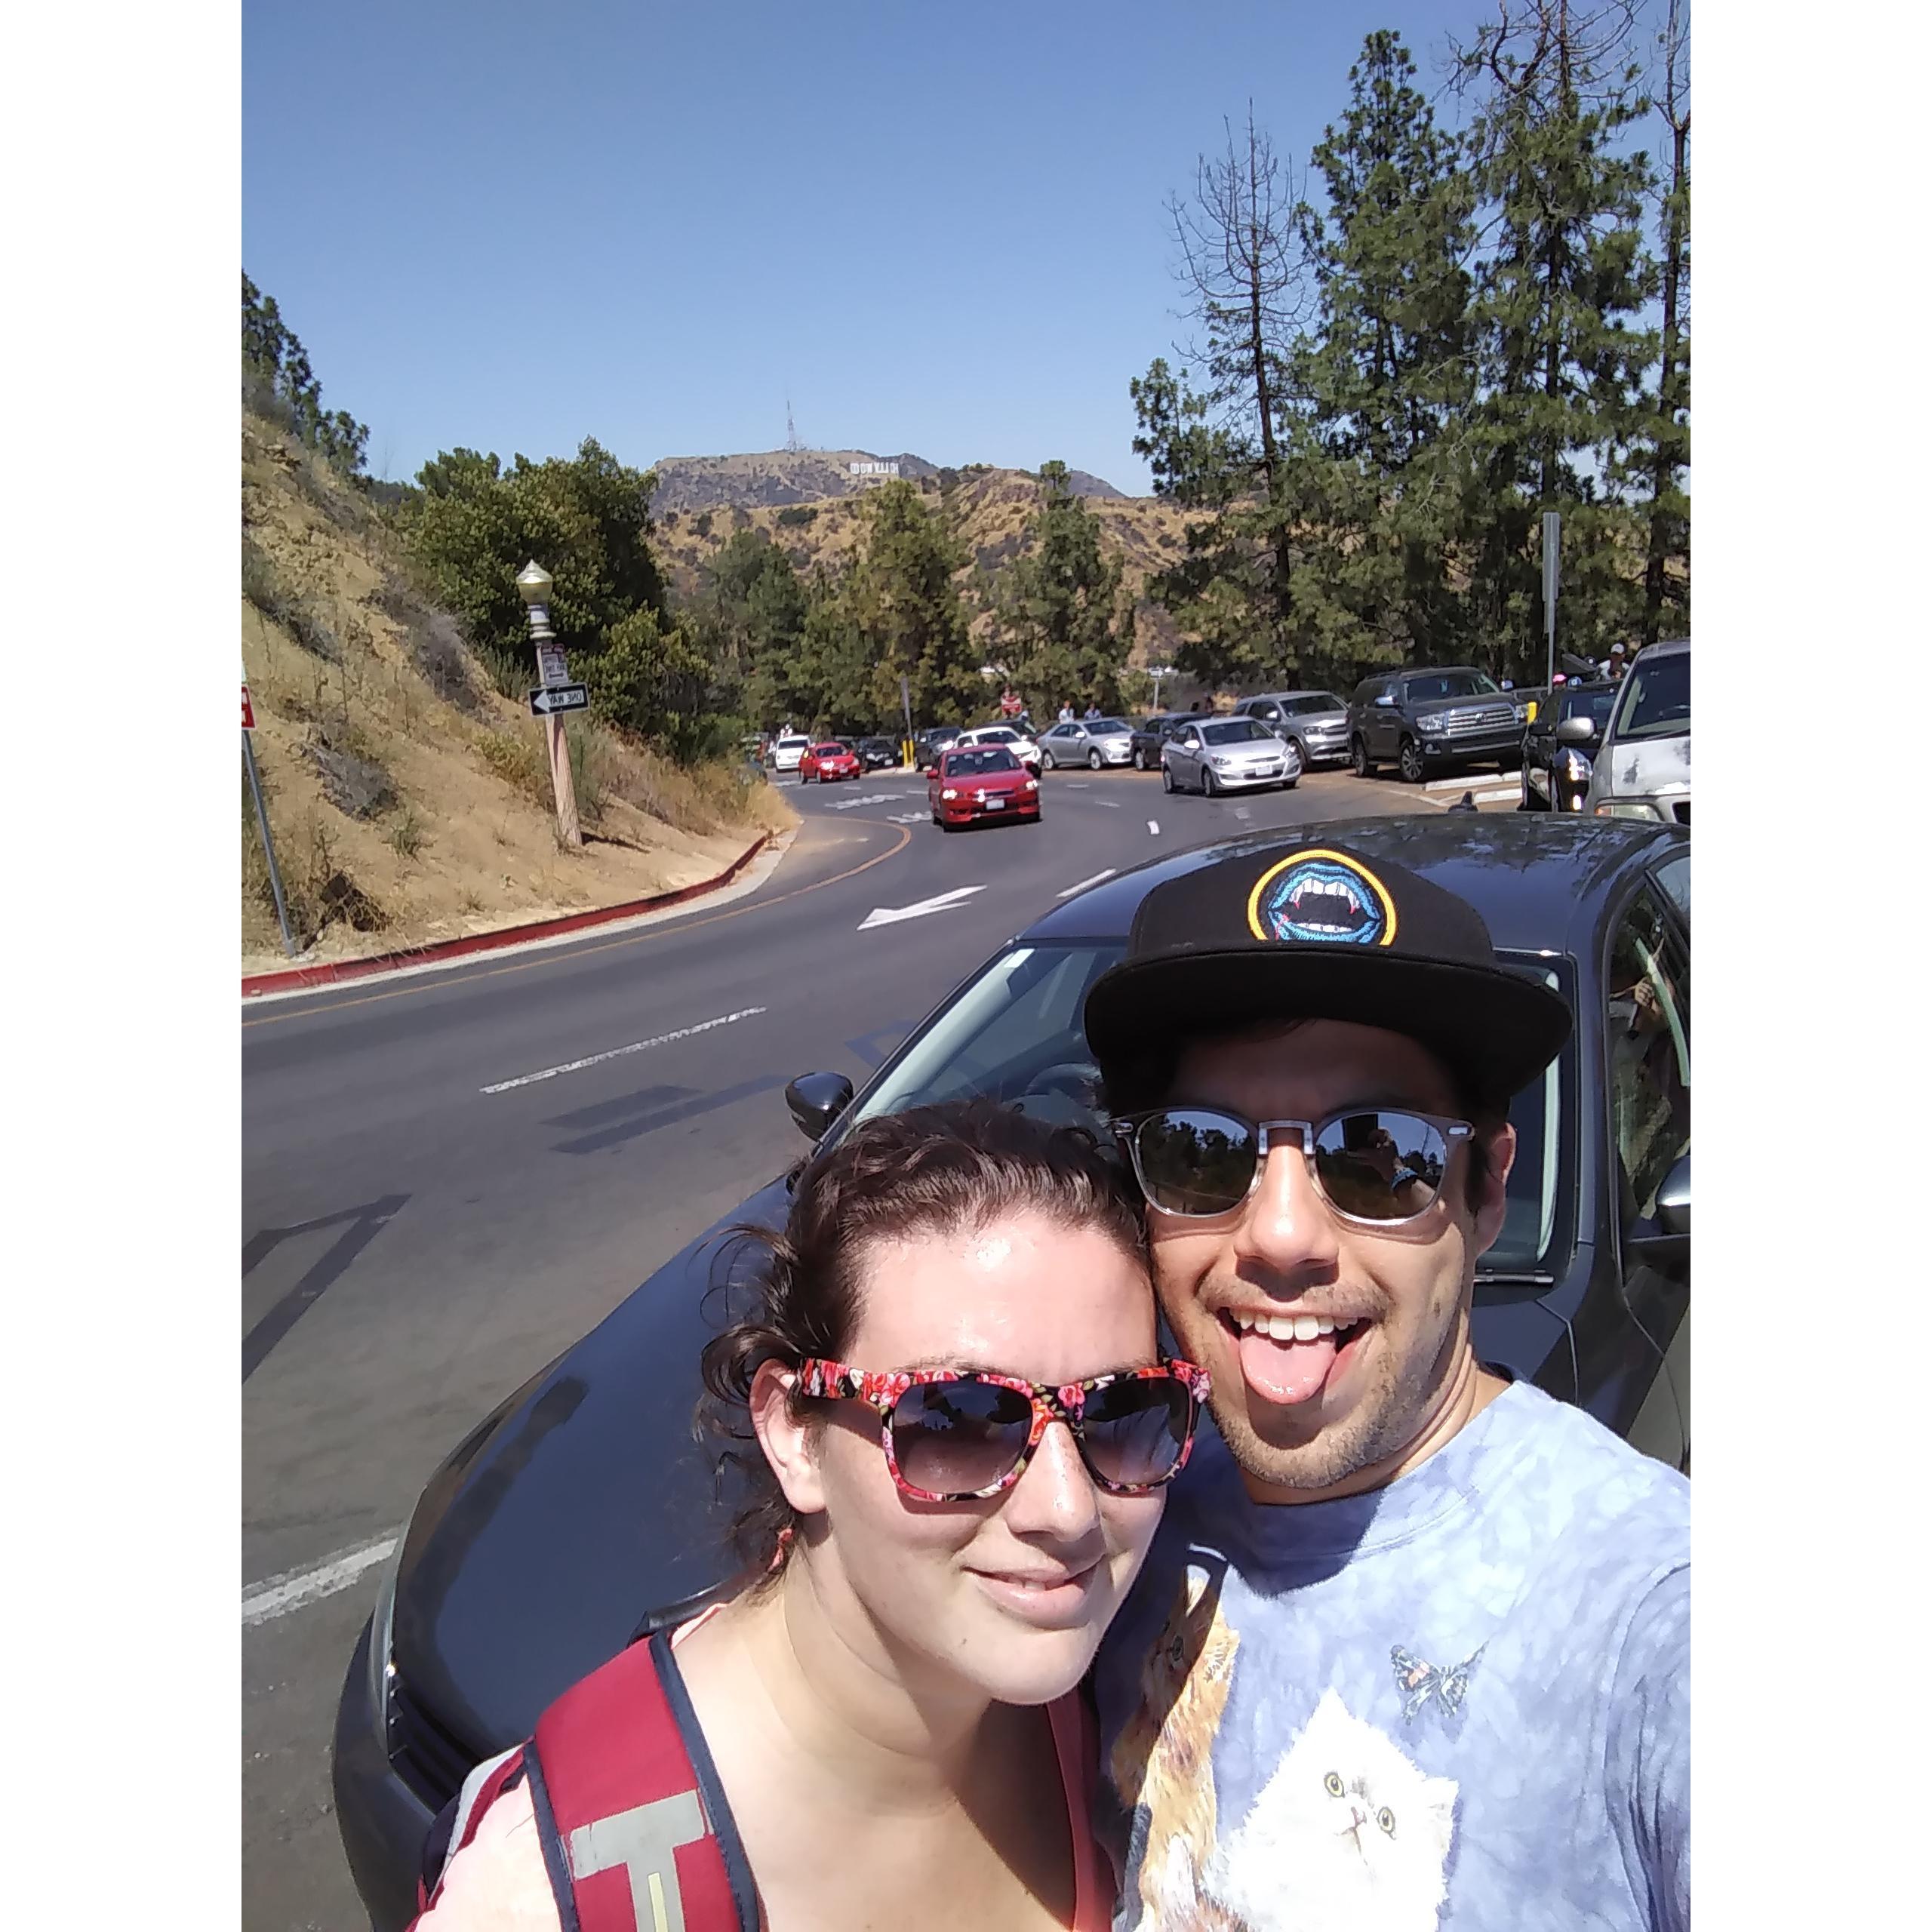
1066 625
1381 384
904 605
1667 591
1563 363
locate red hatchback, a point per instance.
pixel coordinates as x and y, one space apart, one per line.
829 760
981 781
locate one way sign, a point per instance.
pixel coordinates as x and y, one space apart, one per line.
558 697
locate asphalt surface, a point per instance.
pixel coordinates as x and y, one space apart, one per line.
416 1246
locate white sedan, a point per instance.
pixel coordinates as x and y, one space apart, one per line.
1017 742
1227 754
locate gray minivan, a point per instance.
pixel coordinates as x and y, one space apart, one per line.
1316 723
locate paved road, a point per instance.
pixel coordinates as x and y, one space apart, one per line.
448 1179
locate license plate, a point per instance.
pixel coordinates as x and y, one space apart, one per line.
995 804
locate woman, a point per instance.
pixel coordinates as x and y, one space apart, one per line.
963 1426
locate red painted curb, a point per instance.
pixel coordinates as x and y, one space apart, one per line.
337 970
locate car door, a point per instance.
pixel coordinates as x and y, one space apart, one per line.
1384 729
1184 755
1647 1043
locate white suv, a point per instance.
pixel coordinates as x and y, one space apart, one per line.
786 750
1017 742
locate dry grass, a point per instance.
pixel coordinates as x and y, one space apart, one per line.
457 833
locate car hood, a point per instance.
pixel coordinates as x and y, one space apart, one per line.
1642 768
513 1584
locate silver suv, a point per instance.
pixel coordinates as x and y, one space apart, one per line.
1643 770
1316 723
1420 720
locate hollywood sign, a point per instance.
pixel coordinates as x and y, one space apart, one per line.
873 469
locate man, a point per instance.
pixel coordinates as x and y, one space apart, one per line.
1411 1649
1092 712
1066 712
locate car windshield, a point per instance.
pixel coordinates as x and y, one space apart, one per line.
1013 1033
828 750
1450 684
1299 707
1656 699
1234 731
999 736
980 759
1594 704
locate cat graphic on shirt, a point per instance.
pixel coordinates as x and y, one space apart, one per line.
1348 1835
1162 1763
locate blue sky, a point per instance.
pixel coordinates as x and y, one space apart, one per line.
938 228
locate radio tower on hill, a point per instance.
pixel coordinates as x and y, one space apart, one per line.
792 442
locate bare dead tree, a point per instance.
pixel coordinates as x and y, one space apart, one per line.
1669 528
1243 269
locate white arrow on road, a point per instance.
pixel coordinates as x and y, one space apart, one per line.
884 915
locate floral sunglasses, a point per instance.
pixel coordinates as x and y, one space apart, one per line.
954 1435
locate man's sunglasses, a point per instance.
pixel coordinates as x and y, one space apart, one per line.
1378 1166
953 1435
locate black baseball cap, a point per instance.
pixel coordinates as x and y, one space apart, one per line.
1317 931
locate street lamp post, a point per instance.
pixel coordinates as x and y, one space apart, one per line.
533 583
1157 673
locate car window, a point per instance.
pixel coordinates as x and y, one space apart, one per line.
981 759
1018 1020
1448 684
1673 876
1301 707
1233 731
1112 726
1589 704
1646 1026
1531 1195
1654 700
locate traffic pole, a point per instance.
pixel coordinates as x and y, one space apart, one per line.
268 843
561 783
533 585
1552 539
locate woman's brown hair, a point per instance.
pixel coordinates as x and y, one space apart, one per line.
931 1169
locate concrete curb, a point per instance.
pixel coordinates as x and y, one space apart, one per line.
299 978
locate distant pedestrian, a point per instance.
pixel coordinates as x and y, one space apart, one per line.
1066 712
1093 710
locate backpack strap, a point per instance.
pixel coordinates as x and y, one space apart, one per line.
636 1834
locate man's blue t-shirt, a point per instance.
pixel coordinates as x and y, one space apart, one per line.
1460 1701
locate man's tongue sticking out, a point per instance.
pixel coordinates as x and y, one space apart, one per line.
1285 1371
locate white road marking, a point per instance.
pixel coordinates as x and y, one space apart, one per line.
870 798
886 915
1509 792
909 818
1112 804
617 1053
1080 784
1449 784
1086 882
1154 827
1243 811
275 1596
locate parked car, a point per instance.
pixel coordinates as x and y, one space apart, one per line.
877 754
1093 741
1152 733
580 1512
1316 723
1643 770
1215 754
788 749
1558 743
926 746
976 781
1425 721
1016 741
830 757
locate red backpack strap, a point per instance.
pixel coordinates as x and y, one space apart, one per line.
635 1831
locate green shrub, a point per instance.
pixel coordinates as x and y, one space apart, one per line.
796 515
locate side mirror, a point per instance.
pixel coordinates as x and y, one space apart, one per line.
1664 1243
1576 731
817 1100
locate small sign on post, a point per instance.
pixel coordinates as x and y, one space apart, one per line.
552 666
550 699
248 708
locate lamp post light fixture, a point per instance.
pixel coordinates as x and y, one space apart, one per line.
533 582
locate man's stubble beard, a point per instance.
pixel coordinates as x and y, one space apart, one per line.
1393 1410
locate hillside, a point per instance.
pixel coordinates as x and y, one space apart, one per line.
409 798
768 478
988 509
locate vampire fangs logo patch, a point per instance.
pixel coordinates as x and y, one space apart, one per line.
1317 895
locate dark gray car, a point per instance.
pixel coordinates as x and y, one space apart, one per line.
1316 723
1434 720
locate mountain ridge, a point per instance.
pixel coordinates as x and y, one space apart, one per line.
773 479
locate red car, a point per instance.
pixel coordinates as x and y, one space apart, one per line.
981 781
829 760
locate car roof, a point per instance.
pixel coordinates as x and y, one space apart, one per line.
1675 647
1275 697
1535 880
